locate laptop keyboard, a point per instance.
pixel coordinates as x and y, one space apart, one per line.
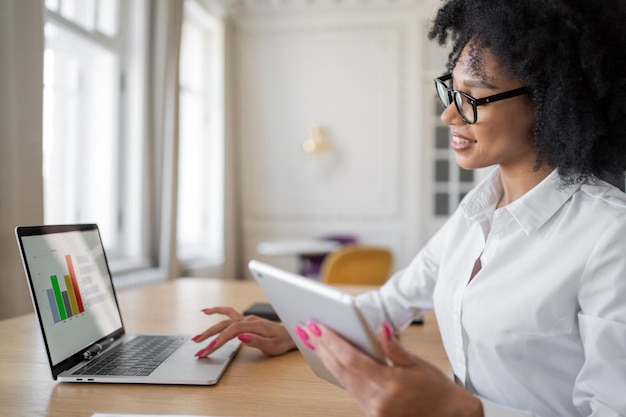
137 357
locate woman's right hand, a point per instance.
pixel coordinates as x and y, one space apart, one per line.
269 337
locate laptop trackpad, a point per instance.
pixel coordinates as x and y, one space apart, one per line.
183 364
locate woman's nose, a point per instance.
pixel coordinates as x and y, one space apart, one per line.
451 116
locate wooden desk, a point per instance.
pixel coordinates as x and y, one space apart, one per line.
253 385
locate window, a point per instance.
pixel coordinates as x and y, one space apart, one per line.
82 62
101 166
91 164
451 181
201 152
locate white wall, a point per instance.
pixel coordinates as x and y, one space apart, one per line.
355 69
21 83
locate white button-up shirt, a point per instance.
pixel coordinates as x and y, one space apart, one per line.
541 328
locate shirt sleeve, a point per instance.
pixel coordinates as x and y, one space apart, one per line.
601 383
409 292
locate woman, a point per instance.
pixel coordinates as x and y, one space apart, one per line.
528 276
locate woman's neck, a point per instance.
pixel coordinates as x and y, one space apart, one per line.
516 183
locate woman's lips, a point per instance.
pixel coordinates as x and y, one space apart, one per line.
460 143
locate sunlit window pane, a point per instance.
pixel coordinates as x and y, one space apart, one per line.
81 12
52 5
200 193
193 192
193 73
80 133
107 18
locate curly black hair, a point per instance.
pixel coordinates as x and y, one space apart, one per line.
571 54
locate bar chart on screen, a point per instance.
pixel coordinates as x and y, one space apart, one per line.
69 285
72 290
65 303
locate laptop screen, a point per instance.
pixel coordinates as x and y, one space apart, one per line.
71 287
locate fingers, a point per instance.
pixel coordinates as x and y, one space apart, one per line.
407 384
270 337
304 337
225 331
213 330
396 354
277 343
340 357
216 343
333 343
227 311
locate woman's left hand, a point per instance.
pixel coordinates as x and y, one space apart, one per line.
406 386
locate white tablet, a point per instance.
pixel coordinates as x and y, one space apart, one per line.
298 300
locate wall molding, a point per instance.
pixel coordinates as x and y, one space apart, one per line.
263 30
384 43
262 6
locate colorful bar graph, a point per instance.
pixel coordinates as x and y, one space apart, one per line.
70 268
58 297
72 295
53 309
68 303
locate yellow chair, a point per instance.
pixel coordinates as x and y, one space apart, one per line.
357 264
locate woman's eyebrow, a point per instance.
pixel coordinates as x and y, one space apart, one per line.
479 83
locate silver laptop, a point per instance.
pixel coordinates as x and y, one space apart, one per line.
74 299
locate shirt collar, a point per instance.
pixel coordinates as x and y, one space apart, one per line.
531 211
480 203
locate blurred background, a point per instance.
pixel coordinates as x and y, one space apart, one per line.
200 134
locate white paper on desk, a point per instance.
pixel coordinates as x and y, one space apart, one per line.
143 415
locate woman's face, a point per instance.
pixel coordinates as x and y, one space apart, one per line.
502 133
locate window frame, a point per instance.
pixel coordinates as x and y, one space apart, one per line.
207 255
129 260
146 216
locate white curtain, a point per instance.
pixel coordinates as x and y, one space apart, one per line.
162 131
21 185
232 250
163 104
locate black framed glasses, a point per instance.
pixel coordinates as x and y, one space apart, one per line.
465 104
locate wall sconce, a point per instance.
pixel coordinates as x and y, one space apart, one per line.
317 141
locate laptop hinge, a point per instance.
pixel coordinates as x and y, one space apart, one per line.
96 348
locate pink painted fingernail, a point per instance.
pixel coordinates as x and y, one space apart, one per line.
195 338
314 329
388 331
303 335
200 352
245 338
211 344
